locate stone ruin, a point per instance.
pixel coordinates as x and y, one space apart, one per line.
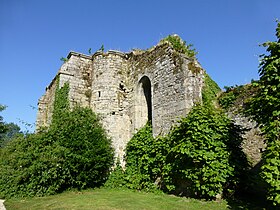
128 89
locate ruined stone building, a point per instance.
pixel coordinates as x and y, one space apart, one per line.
128 89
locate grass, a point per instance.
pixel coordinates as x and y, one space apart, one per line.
112 199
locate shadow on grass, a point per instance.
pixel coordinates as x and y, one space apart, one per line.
250 201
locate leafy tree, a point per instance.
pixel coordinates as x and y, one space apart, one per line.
89 151
3 128
2 124
12 130
265 109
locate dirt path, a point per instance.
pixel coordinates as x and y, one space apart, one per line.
2 207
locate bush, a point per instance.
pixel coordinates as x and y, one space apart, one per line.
201 157
145 160
73 153
89 153
203 161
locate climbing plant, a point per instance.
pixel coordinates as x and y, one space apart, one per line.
61 103
144 160
202 155
210 91
265 109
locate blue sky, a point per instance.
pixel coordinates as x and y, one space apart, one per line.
35 34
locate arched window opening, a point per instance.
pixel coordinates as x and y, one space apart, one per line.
143 102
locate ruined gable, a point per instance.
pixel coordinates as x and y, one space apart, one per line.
128 89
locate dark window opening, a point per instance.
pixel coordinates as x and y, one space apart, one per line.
146 85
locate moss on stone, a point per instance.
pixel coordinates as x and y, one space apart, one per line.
195 69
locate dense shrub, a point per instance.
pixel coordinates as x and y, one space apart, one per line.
74 152
201 157
145 159
145 162
205 158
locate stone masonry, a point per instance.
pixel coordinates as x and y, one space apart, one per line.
128 89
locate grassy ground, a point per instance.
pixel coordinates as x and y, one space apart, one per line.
111 199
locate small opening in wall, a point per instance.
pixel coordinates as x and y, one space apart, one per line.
99 94
113 113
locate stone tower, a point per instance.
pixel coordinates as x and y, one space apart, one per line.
128 89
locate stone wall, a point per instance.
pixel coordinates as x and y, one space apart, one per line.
128 89
174 87
253 142
45 105
110 96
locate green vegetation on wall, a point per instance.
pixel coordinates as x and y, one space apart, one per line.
61 104
237 96
180 46
201 157
210 91
205 156
144 158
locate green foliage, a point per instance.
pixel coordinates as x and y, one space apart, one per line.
143 162
2 124
270 171
180 46
73 153
31 166
3 128
64 59
61 103
202 161
12 130
201 157
101 48
89 152
210 90
117 178
265 109
237 95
